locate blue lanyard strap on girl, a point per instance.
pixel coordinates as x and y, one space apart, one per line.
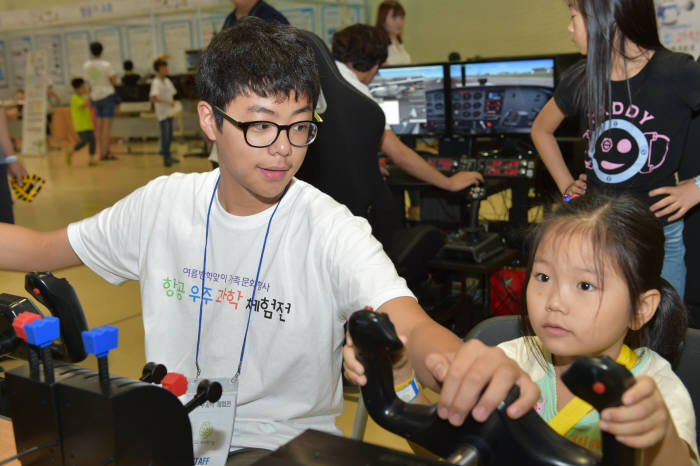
255 286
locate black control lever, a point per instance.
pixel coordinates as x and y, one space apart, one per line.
153 373
59 297
499 440
206 391
600 381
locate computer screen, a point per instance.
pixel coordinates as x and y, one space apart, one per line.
499 97
192 58
412 97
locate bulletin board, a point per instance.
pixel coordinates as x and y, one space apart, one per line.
139 30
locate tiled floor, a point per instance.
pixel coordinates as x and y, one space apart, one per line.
77 191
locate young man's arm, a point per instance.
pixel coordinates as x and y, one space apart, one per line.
459 371
26 250
415 165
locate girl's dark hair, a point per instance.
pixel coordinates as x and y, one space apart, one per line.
385 8
623 230
254 56
608 24
361 45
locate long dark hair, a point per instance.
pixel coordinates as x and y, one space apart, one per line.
385 8
623 230
608 24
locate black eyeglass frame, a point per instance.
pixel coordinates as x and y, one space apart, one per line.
244 125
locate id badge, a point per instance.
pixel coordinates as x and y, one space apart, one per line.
212 423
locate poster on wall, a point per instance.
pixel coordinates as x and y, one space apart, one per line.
35 103
177 37
208 27
335 18
53 46
4 82
19 49
679 25
111 40
140 50
77 51
302 18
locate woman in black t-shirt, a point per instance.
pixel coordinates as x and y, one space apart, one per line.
638 99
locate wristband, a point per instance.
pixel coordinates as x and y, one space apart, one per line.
697 181
408 391
12 158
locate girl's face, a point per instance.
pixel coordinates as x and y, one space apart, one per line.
393 24
567 305
577 28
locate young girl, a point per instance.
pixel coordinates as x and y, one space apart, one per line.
390 19
638 99
594 287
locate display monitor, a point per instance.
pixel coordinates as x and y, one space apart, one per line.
499 97
412 97
192 58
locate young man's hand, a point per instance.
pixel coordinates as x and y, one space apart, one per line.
463 375
473 368
355 372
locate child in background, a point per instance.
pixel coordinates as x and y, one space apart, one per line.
82 122
161 94
638 99
594 287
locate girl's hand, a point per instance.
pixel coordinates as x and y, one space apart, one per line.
577 187
473 368
679 199
643 420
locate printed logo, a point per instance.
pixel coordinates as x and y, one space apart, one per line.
205 430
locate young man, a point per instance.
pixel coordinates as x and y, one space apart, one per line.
257 8
162 94
101 79
359 51
248 265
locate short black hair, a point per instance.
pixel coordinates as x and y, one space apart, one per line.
158 63
77 82
128 65
361 45
96 48
254 56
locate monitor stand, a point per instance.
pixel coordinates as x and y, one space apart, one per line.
472 242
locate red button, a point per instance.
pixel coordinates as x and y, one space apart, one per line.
599 388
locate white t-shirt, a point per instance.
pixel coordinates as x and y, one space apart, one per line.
351 77
320 265
163 88
397 54
97 73
650 363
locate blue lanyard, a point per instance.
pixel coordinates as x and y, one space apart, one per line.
255 286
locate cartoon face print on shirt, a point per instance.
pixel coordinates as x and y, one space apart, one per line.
619 149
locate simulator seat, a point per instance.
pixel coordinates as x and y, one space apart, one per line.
342 162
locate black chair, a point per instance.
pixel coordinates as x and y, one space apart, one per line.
343 163
496 330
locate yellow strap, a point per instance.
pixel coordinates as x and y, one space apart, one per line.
575 409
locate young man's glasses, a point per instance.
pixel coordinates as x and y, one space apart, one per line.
265 133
